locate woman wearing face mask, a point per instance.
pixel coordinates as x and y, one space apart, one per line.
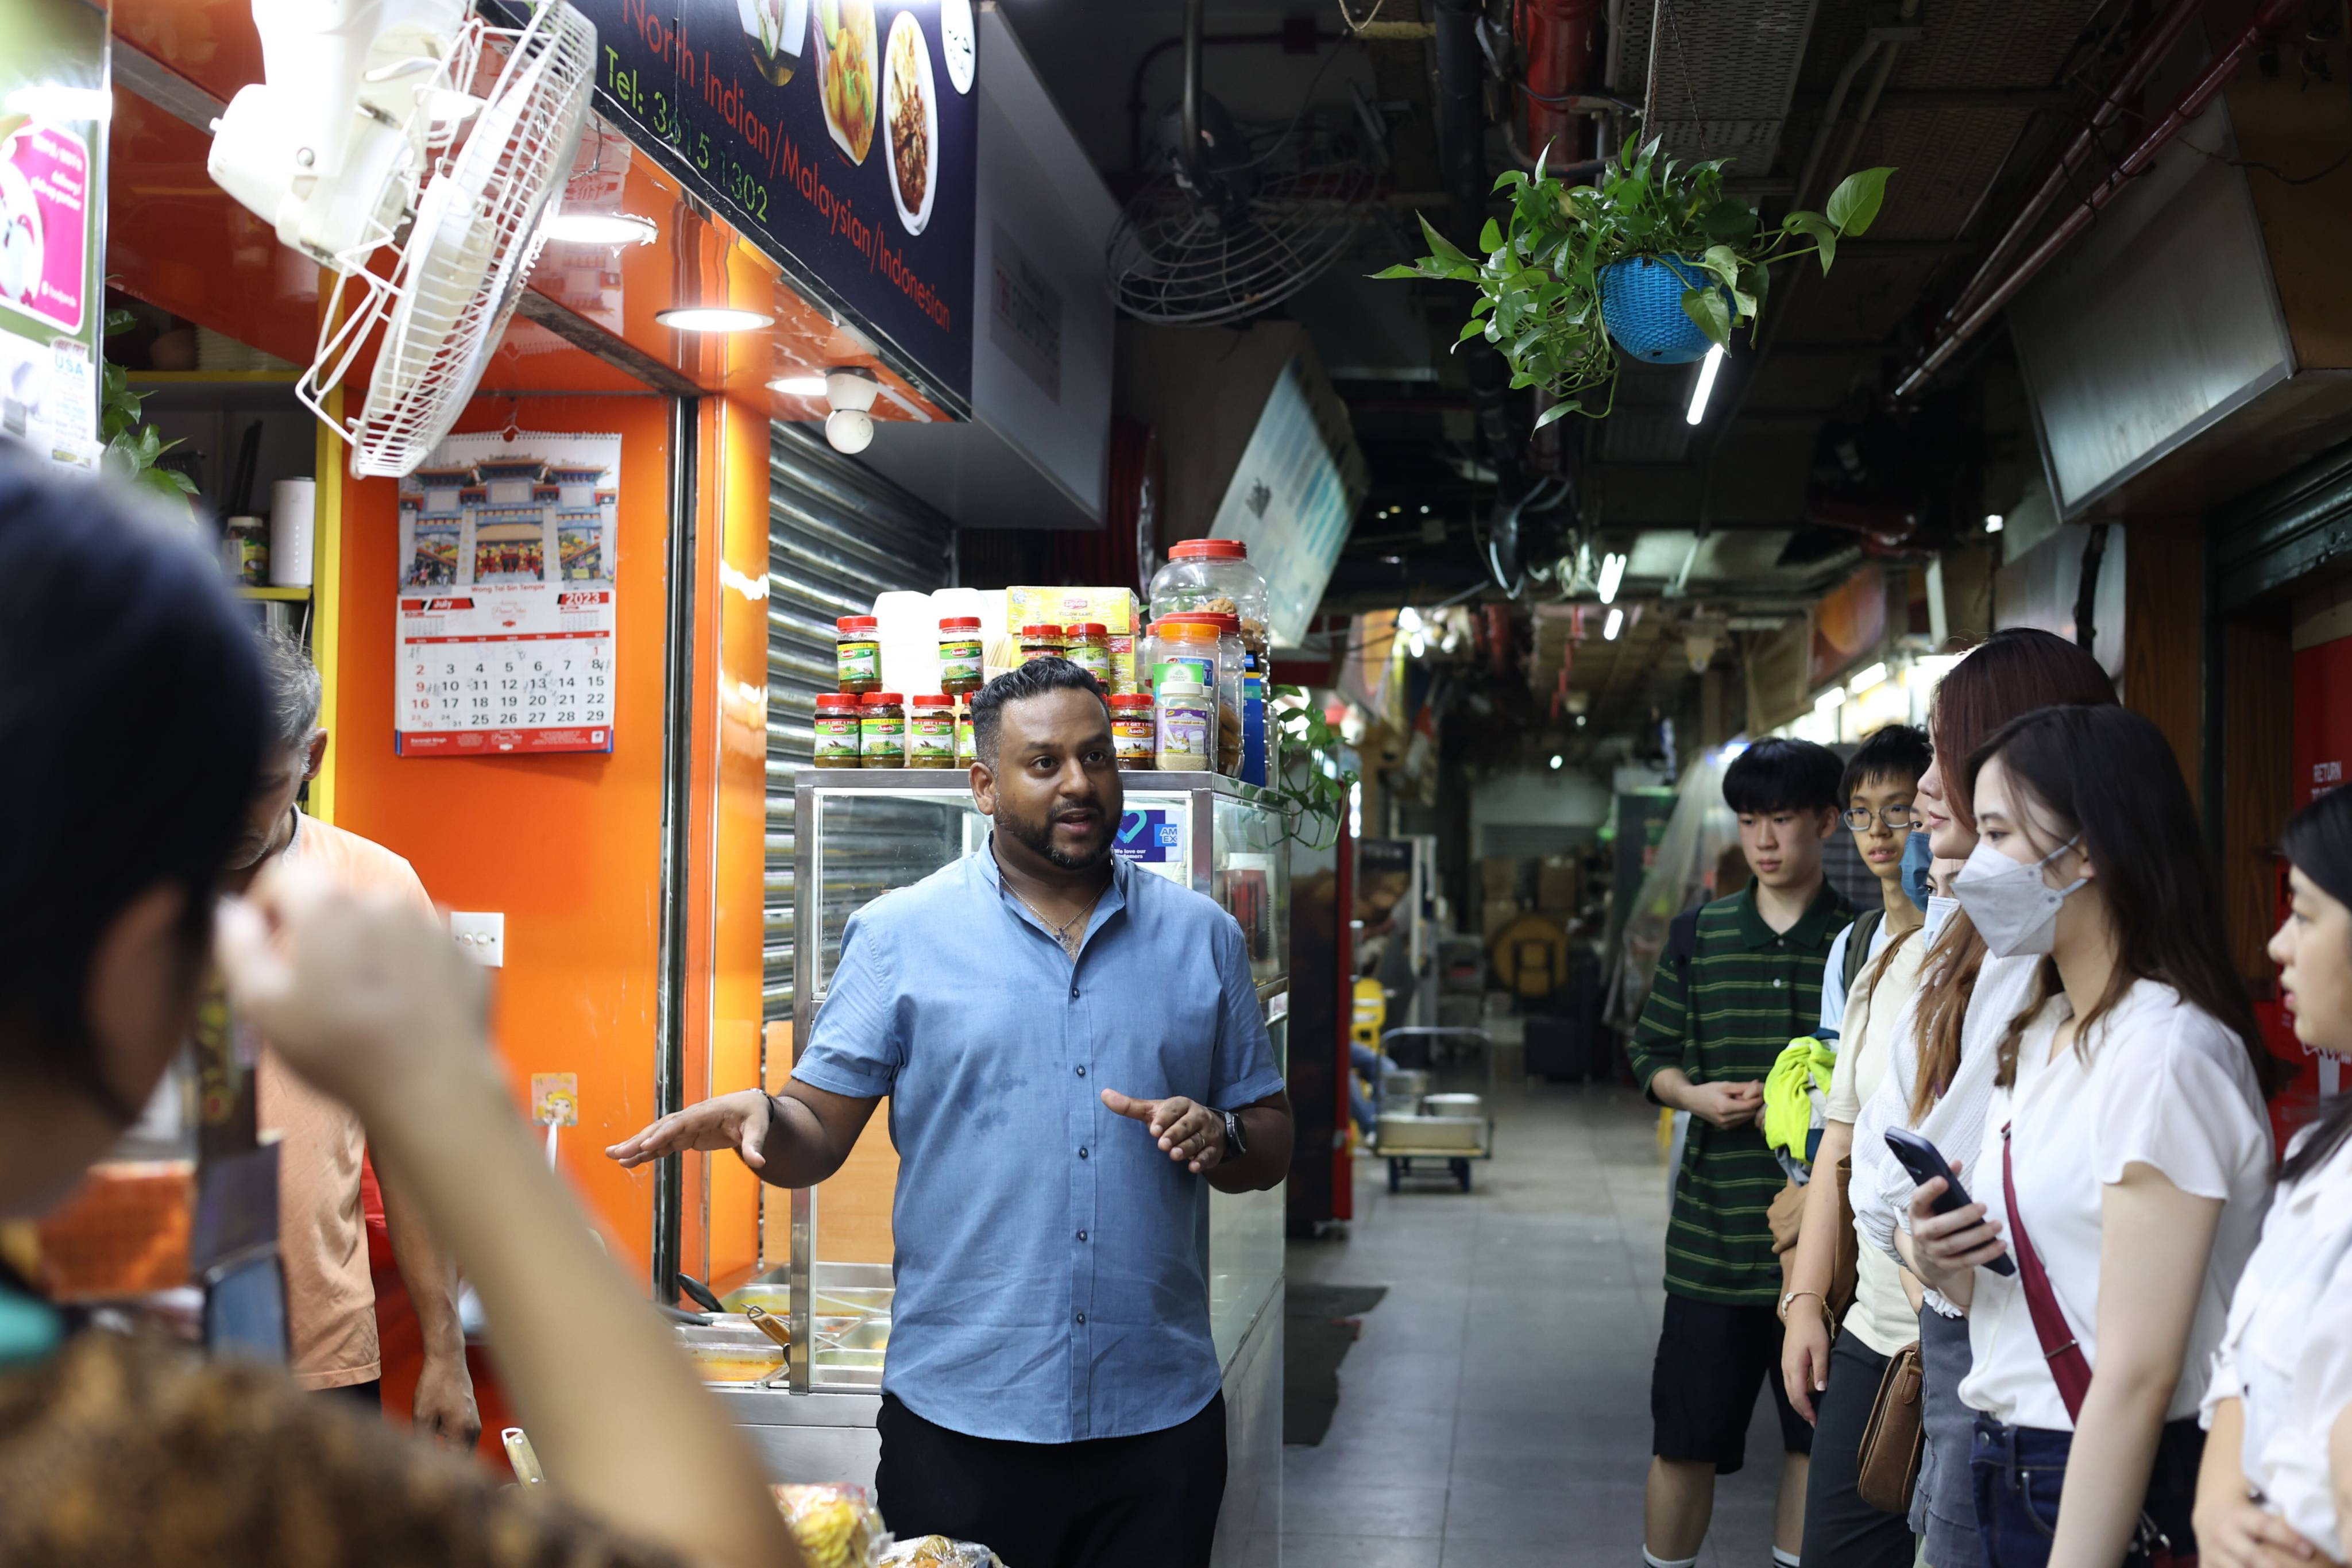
2282 1379
2126 1158
1939 1069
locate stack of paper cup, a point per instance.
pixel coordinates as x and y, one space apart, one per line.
292 505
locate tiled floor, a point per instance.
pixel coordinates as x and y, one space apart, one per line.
1496 1411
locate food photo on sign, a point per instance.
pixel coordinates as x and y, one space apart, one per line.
840 136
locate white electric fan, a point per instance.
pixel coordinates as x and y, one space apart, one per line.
360 127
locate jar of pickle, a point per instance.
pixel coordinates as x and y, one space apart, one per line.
931 731
1040 642
1087 646
882 730
962 667
837 745
1185 714
1133 732
1231 658
966 751
857 654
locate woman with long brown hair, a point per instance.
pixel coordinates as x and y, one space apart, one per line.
1940 1072
2126 1158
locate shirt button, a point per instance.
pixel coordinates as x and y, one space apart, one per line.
1082 1316
1082 1236
1081 1153
1082 1072
1776 984
1074 993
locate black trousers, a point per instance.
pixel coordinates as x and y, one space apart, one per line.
1145 1501
1840 1530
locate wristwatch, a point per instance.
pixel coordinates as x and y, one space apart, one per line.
1236 1141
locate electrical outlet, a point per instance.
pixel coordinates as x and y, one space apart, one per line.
482 936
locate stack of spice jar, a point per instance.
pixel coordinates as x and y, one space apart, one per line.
1194 703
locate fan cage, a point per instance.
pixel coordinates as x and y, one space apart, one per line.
477 230
1177 260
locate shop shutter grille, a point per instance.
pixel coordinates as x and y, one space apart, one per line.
838 534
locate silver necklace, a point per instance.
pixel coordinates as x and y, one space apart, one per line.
1071 942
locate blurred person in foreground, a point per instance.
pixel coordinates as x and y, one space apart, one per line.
331 1325
120 646
1074 1055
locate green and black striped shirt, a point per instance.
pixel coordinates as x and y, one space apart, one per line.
1724 1018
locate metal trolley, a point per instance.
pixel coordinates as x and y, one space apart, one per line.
1437 1127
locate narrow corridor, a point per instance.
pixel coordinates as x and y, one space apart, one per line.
1496 1413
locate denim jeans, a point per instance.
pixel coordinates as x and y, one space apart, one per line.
2020 1472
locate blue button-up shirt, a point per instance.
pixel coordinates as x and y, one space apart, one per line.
1052 1259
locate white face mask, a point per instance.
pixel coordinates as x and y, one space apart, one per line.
2009 903
1939 909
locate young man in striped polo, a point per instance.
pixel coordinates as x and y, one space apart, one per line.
1739 979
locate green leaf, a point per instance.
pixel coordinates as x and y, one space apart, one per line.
119 321
1490 238
1402 270
1816 228
1709 310
1724 262
1557 411
1510 180
1730 222
1856 202
1444 249
1473 328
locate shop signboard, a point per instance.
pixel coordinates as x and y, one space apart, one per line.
505 596
1293 498
839 135
54 106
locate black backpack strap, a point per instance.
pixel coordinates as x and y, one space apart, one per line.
1857 943
1682 940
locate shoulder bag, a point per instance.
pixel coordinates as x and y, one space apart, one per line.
1886 1469
2070 1368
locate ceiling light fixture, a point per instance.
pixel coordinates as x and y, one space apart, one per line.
601 228
851 390
713 318
1579 721
1616 624
1424 511
1703 387
1613 574
1556 761
1993 522
1830 700
1869 677
805 386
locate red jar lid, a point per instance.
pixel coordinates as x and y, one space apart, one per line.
960 623
848 624
934 700
1131 699
1204 618
837 702
1090 629
1039 634
883 698
1208 550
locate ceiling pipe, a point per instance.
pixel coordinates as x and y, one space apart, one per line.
2273 15
1462 154
2149 53
1558 35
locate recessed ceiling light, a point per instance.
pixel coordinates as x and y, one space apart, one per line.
1992 522
602 228
809 385
712 319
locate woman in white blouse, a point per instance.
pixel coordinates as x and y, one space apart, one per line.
2282 1379
2125 1152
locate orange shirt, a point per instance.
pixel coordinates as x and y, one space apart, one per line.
321 1233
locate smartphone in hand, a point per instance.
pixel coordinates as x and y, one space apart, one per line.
1927 1163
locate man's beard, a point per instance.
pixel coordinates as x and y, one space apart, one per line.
1038 836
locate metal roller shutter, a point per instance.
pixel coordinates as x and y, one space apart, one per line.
838 534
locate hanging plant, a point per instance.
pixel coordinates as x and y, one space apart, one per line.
1313 791
133 449
1654 260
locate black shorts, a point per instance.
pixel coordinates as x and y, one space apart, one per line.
1145 1501
1703 1388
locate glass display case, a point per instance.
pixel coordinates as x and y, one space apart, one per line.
826 1258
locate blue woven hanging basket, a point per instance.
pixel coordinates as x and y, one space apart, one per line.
1641 302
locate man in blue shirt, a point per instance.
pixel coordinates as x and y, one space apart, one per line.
1074 1053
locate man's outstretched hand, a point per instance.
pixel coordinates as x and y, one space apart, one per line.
1193 1134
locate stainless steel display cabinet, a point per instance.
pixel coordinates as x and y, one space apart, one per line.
858 834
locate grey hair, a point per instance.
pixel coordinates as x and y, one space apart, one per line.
293 686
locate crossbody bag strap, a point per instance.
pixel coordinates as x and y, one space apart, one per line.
2061 1350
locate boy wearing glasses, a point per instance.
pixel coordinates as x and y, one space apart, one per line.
1876 795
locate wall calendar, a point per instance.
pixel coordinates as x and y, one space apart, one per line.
506 596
